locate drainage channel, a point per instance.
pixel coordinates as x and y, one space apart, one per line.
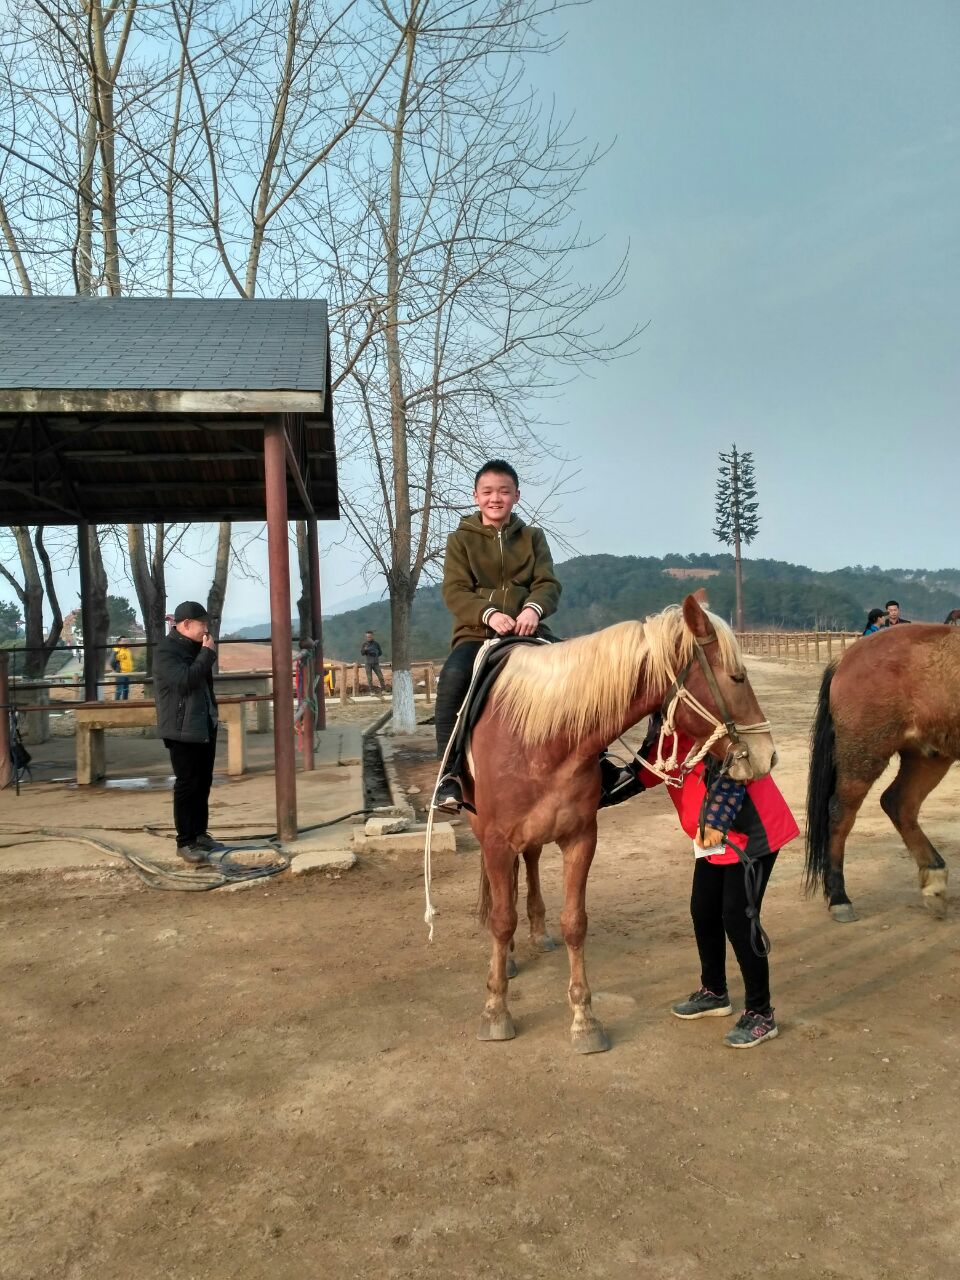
376 791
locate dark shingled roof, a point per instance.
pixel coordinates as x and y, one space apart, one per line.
163 344
120 410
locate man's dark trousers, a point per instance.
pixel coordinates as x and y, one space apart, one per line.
193 769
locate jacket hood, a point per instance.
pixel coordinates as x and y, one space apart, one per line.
475 524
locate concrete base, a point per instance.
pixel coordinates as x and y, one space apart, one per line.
321 851
412 841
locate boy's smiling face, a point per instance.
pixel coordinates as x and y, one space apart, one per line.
495 495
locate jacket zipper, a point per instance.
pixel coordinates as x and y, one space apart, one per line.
503 585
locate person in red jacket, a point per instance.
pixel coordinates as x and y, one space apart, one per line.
746 826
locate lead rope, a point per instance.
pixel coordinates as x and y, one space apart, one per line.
430 914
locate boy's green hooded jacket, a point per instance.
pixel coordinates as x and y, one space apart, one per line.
488 570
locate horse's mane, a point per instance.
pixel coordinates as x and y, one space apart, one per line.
585 685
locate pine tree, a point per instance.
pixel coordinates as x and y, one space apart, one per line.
736 511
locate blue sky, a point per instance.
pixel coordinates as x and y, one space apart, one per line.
787 177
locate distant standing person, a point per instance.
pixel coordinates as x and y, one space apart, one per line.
121 661
875 622
894 617
187 723
371 652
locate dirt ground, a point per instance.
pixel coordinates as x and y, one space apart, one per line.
285 1083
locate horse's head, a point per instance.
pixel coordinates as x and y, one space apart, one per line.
715 677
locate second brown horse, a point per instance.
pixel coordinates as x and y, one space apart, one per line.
535 775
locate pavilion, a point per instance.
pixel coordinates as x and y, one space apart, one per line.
128 410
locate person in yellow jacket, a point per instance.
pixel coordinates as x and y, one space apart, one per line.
121 661
498 580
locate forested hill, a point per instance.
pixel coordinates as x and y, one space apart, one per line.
600 590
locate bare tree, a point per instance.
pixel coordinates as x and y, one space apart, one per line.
455 300
37 580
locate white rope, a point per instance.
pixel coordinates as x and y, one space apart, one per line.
669 771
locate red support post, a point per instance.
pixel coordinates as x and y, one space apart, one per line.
281 635
316 616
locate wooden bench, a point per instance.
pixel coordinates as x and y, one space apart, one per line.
93 718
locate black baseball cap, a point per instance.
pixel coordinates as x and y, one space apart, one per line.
190 610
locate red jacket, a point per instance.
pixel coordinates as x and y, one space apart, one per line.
763 825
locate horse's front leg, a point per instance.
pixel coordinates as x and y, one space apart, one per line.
916 778
500 866
586 1033
536 909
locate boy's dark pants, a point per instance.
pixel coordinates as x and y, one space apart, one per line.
193 769
452 688
718 905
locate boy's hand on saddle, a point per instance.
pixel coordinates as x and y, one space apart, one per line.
501 623
527 622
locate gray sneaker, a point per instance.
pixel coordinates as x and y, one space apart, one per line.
751 1029
703 1004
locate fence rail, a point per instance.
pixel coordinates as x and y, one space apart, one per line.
797 646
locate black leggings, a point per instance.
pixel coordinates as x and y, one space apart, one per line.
452 688
718 905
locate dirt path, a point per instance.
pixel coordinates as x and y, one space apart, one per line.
284 1082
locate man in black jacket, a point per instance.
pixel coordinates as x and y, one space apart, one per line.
187 722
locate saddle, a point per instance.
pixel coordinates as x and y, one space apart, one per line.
486 668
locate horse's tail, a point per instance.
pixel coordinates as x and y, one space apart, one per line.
483 896
820 787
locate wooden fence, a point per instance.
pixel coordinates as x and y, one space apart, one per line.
797 646
350 678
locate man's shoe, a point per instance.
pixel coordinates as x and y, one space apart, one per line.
207 843
618 782
192 853
449 796
703 1004
751 1029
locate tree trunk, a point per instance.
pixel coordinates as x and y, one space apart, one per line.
148 579
218 588
399 579
99 610
738 576
404 708
303 600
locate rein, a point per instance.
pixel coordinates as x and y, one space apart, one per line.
670 770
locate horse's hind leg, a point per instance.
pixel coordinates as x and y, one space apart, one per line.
500 864
844 806
586 1034
917 777
536 910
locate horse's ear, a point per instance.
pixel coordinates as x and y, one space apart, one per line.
700 595
696 619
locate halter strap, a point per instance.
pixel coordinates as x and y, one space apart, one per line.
669 771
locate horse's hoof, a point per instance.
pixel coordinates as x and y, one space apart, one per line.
544 944
933 886
844 913
512 969
589 1040
937 905
499 1028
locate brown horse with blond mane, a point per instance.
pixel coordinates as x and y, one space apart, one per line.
534 773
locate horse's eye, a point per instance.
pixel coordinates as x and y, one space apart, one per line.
739 678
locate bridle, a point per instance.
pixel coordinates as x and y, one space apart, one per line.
671 771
